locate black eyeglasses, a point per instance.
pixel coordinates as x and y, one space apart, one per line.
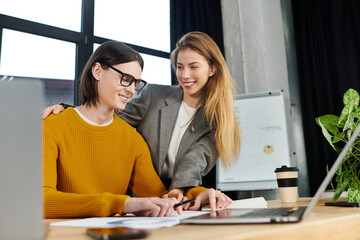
126 79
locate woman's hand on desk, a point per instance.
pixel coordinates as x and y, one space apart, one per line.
151 207
215 198
55 109
178 193
175 193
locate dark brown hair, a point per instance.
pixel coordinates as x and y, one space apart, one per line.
109 53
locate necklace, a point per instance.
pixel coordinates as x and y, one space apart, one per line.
190 114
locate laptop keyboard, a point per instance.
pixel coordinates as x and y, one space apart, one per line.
271 212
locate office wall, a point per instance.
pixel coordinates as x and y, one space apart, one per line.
259 50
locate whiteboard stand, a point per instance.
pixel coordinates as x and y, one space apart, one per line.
265 144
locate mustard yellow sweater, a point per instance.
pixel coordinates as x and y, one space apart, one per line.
87 168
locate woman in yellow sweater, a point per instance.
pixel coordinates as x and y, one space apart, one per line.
91 156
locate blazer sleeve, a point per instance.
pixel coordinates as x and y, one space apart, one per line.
137 107
196 163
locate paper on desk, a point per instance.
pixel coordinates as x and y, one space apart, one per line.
258 202
133 222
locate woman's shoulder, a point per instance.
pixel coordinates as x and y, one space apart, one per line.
58 118
56 123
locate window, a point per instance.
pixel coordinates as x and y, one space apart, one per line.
53 42
64 14
134 22
29 55
156 70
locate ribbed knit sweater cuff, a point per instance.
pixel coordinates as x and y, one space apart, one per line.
118 203
194 192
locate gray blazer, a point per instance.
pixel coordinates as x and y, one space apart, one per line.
153 113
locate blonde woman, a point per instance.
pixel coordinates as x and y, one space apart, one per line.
188 127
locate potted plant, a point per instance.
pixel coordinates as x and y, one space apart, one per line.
337 131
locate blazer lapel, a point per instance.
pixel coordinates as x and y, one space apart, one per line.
168 115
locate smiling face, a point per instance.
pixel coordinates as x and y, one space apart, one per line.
112 94
193 72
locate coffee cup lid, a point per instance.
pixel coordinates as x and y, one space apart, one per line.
284 168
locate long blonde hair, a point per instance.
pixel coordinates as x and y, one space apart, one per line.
219 93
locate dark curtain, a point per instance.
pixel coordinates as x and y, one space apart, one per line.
327 36
197 15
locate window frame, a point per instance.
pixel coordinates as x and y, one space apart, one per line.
84 39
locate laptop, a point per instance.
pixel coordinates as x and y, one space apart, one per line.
21 103
272 215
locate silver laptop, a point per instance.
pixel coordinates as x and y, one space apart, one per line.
21 209
272 215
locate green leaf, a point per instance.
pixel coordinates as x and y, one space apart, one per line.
339 137
349 123
351 101
345 113
353 195
348 133
357 112
351 96
326 135
340 188
329 122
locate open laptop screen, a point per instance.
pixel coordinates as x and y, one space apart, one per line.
21 210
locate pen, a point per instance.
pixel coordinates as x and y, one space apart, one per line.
184 202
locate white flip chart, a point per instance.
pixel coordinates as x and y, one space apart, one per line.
265 146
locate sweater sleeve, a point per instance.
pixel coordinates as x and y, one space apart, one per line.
144 181
194 192
59 204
